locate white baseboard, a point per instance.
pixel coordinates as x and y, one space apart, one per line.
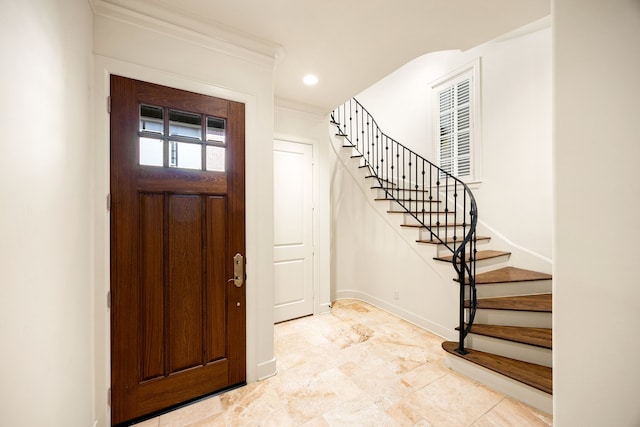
267 369
324 308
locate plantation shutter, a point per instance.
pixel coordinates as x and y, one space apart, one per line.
455 128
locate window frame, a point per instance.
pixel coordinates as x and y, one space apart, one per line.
472 71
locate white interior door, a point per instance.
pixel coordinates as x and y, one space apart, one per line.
293 229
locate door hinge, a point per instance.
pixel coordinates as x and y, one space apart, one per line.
109 396
108 299
109 104
109 201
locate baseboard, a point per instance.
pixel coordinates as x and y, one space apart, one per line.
441 331
324 308
267 369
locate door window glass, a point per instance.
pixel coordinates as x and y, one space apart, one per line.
181 139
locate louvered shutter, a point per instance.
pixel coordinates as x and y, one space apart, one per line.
446 129
455 128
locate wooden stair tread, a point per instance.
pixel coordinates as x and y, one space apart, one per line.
421 213
509 275
480 255
408 200
450 240
537 376
434 226
539 337
538 303
378 187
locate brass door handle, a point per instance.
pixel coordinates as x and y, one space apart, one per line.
238 270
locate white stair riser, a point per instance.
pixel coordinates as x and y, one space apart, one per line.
413 205
409 219
449 232
514 350
492 290
381 192
514 318
481 265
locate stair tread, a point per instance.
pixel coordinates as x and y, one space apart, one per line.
508 275
450 240
538 303
537 376
539 337
442 224
378 187
480 255
420 212
408 200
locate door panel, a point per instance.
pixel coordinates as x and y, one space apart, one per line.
293 230
177 325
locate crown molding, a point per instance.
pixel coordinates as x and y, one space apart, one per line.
288 104
212 36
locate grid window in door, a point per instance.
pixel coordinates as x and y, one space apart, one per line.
180 139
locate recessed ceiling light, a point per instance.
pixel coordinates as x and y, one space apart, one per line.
310 79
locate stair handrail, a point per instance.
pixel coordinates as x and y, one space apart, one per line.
394 166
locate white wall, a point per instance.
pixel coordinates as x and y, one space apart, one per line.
516 128
146 49
371 260
596 149
293 124
46 289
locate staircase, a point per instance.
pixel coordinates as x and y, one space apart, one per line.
505 311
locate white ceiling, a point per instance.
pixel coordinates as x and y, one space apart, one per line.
348 44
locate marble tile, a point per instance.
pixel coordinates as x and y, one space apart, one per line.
192 413
357 366
217 420
453 401
153 422
360 412
381 385
511 413
318 421
248 405
405 415
307 397
424 374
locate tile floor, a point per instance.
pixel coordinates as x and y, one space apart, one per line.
358 366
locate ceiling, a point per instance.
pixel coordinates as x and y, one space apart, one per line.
348 44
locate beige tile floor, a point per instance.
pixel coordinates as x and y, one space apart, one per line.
358 366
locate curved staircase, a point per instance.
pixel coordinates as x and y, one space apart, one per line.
505 311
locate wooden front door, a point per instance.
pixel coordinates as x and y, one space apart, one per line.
177 223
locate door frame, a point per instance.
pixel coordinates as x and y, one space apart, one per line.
260 359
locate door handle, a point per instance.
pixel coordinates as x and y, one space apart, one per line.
238 270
